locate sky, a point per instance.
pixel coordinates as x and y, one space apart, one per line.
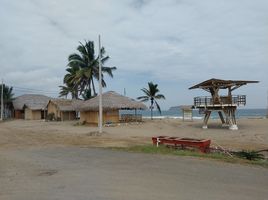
173 43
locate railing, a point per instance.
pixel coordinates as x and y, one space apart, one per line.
223 100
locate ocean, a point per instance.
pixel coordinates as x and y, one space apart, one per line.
177 114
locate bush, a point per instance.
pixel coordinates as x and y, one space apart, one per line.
50 117
249 155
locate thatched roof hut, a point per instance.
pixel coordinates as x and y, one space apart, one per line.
111 101
32 101
62 109
30 106
63 104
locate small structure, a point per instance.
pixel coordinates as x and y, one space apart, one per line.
30 106
187 112
62 109
226 104
112 102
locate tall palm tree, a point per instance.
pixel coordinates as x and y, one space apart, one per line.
7 99
151 95
7 93
83 69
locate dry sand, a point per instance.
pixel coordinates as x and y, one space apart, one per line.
252 133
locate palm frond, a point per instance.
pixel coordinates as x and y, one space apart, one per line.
143 98
146 91
160 96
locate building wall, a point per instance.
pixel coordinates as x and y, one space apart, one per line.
91 117
19 114
52 108
36 114
111 116
32 114
27 113
68 115
62 115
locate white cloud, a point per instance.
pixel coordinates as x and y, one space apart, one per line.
171 41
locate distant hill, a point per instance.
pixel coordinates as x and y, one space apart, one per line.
174 108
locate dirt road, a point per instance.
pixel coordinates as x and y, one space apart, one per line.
67 173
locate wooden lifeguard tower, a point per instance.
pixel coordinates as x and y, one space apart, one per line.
221 104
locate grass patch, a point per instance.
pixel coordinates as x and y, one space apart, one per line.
163 150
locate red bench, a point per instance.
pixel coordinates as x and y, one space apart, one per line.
202 144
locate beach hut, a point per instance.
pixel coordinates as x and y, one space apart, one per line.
224 105
62 109
30 106
112 102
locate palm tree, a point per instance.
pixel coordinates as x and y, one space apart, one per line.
71 87
7 93
7 99
151 95
83 69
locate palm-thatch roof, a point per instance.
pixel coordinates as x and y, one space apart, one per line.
31 101
111 101
222 84
65 104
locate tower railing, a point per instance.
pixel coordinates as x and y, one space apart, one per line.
234 100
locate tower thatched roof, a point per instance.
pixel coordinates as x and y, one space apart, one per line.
111 101
32 101
222 84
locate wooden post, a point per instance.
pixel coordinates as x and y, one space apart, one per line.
233 125
230 118
221 117
206 118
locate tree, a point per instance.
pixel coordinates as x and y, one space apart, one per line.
7 99
87 95
70 83
83 69
151 95
8 93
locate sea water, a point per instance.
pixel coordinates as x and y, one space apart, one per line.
177 113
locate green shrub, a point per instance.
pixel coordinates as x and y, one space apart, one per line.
50 117
249 155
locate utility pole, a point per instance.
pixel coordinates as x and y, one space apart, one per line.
267 106
100 88
2 100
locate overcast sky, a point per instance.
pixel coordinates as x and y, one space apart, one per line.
175 43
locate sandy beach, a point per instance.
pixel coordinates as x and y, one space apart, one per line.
252 133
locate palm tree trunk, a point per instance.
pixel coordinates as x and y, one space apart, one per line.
152 103
93 86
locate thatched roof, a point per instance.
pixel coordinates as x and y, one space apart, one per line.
31 101
222 84
65 104
111 101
